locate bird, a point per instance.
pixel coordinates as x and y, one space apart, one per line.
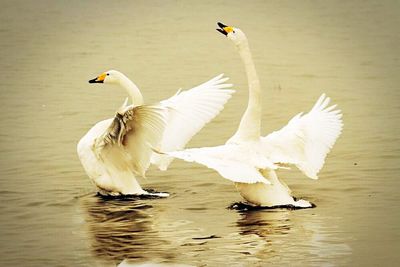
251 160
115 151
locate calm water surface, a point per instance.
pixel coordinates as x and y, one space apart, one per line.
50 215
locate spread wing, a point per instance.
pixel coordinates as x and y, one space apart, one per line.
128 141
225 160
306 139
188 112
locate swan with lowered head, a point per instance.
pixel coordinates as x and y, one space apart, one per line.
116 150
251 160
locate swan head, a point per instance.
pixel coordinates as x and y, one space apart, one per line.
235 34
111 76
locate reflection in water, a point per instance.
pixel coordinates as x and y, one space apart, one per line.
141 231
310 234
321 242
123 229
270 227
127 263
264 223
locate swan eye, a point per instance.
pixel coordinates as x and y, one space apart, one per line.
108 74
233 31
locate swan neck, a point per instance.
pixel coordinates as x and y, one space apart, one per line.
250 68
132 90
250 124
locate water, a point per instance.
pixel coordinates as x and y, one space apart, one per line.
50 49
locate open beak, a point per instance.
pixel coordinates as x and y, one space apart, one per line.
98 79
224 29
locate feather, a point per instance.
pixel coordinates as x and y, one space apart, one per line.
126 142
306 139
188 112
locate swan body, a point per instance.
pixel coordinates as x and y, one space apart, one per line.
251 160
117 150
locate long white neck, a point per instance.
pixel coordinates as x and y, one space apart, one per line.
132 90
250 124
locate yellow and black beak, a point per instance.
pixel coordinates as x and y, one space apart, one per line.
98 79
224 29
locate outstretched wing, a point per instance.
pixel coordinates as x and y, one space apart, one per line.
127 143
306 139
188 112
223 160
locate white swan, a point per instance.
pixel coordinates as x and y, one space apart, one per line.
116 150
250 160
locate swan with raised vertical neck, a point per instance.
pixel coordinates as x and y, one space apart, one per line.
251 160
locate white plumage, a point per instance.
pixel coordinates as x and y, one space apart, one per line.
306 139
188 112
233 162
250 160
115 150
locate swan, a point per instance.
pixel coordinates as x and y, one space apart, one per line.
117 150
251 160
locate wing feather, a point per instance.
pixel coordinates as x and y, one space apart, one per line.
127 143
188 112
306 139
222 159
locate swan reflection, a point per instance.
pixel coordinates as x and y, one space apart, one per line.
123 229
264 223
280 231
